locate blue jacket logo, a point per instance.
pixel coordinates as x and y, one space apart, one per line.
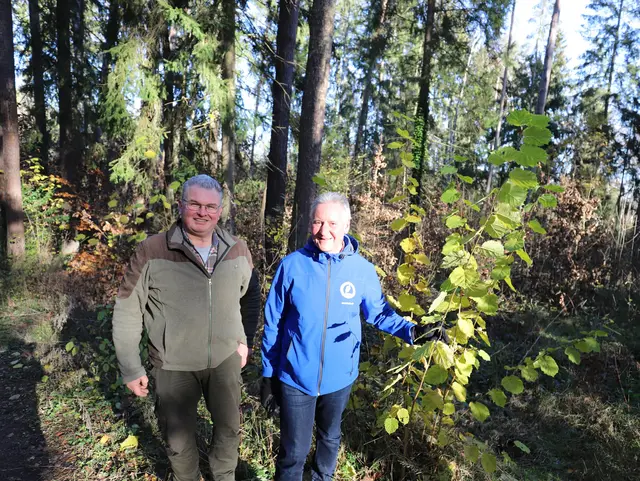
348 290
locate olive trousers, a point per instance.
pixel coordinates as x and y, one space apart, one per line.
177 397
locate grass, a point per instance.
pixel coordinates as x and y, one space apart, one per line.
583 424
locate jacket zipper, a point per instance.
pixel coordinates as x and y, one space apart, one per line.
210 323
326 318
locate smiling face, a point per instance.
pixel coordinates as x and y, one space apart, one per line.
199 217
329 224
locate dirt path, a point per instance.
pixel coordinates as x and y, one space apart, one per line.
23 451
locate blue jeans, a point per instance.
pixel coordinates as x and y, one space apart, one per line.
297 414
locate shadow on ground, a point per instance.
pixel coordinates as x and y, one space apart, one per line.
23 450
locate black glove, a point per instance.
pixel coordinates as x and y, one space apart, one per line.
270 394
430 332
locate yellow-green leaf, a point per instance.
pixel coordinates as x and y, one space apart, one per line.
548 200
403 415
443 354
448 409
525 257
449 196
130 443
487 304
455 221
492 248
513 384
479 411
408 245
547 365
437 301
498 397
112 203
432 400
436 375
398 224
391 425
471 452
488 462
573 354
465 278
536 227
459 391
523 447
466 326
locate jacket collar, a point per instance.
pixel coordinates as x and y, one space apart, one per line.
176 241
351 247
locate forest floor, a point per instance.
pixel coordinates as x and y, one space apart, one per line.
66 418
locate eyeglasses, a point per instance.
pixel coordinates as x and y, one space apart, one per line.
195 207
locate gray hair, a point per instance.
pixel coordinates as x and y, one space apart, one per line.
331 198
203 181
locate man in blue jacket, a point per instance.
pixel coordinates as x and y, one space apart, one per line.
312 337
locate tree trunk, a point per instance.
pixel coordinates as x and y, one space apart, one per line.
170 112
423 120
110 40
229 117
65 103
454 122
80 91
548 60
503 96
612 63
277 160
10 185
40 107
321 23
378 45
254 137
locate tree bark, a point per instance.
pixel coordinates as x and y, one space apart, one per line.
65 102
503 96
277 160
40 107
229 117
423 117
321 23
548 60
10 185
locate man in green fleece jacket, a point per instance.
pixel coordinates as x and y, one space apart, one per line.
195 291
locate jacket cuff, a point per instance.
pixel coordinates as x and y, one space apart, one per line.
132 377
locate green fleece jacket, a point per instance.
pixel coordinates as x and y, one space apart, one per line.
194 319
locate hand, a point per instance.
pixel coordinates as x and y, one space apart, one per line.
430 332
270 394
139 386
244 352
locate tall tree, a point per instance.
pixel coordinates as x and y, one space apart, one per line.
281 92
228 44
423 117
503 95
65 97
10 186
312 116
374 50
548 59
40 108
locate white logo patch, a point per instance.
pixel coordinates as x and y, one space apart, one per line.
348 290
